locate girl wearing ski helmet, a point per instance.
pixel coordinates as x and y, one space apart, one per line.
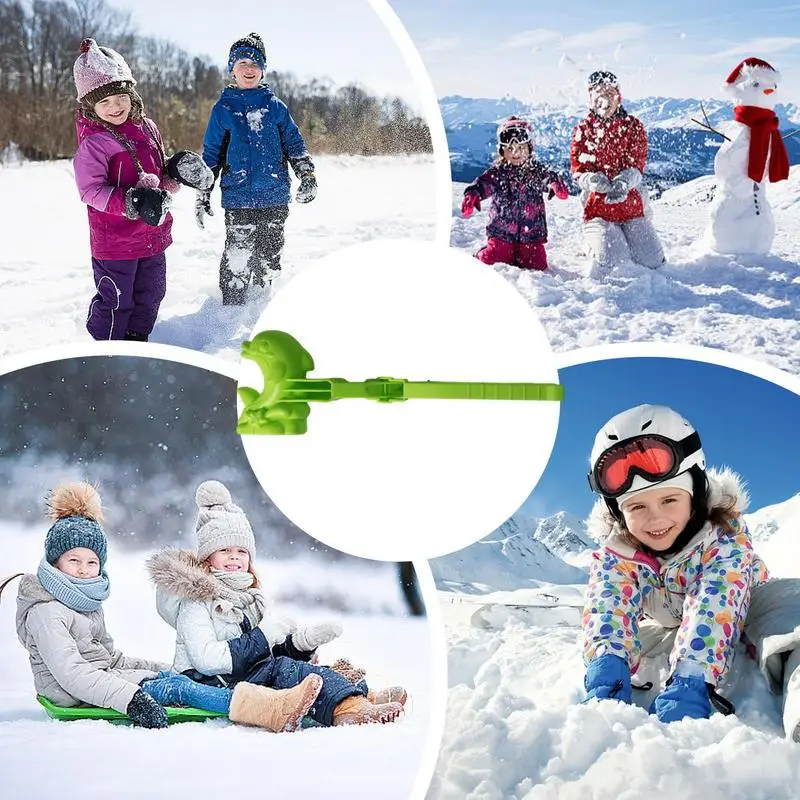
676 567
608 154
225 635
517 221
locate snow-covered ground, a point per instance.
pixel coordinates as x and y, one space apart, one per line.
45 264
42 758
747 305
516 730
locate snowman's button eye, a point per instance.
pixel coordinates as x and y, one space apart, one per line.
756 84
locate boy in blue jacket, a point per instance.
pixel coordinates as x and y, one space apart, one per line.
250 138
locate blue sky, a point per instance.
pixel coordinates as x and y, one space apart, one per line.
746 423
345 40
540 51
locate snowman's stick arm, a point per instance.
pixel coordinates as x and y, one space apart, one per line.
707 124
791 133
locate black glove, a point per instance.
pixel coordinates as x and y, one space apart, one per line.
189 169
149 205
145 712
307 190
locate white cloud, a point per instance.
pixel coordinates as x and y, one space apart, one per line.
537 37
439 43
763 45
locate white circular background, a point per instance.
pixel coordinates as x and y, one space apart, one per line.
418 479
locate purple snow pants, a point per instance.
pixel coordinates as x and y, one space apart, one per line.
129 293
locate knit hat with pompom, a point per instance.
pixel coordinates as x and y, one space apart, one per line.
100 72
220 523
77 514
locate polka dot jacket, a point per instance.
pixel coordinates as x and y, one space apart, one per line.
704 591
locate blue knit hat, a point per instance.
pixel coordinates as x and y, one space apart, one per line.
252 47
77 512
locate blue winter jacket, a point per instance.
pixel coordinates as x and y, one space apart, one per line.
249 138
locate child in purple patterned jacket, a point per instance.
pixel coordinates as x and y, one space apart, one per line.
517 226
676 574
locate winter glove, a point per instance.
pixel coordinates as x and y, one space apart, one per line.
313 636
189 169
596 182
149 205
685 696
627 179
608 677
202 206
145 712
277 629
307 190
557 189
470 203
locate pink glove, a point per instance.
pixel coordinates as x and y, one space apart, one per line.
470 203
559 190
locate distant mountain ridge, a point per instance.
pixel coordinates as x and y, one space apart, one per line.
527 552
679 149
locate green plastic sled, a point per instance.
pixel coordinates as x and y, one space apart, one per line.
174 713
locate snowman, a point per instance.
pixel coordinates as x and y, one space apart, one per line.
754 151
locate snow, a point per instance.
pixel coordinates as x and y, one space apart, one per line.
516 729
45 265
743 304
111 761
254 119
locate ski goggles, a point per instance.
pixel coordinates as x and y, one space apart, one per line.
650 456
514 136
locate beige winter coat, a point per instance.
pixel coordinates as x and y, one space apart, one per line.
72 657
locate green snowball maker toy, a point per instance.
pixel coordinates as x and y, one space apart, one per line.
282 407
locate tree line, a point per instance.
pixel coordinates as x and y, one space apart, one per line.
39 42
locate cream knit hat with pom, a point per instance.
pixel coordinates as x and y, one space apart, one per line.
220 523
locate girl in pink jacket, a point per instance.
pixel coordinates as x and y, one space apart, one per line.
125 179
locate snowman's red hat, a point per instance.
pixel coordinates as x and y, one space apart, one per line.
751 70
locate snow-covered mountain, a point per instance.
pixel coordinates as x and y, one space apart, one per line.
522 553
527 552
679 149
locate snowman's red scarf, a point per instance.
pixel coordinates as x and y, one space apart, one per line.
763 126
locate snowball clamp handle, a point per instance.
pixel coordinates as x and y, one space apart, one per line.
282 407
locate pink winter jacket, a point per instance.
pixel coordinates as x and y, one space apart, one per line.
104 171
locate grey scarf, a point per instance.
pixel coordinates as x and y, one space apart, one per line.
79 594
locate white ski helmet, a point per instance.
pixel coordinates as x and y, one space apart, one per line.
644 447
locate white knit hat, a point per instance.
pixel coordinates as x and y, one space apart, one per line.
220 523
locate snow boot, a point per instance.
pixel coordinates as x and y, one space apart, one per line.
358 710
277 710
791 696
133 336
265 277
391 694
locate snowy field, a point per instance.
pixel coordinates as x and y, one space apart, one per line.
201 760
45 264
746 305
516 730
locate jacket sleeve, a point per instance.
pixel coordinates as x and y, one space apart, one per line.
579 161
636 153
91 175
214 140
121 661
85 682
291 139
612 609
716 604
209 655
484 184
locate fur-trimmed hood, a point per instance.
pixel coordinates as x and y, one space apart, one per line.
179 575
724 485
